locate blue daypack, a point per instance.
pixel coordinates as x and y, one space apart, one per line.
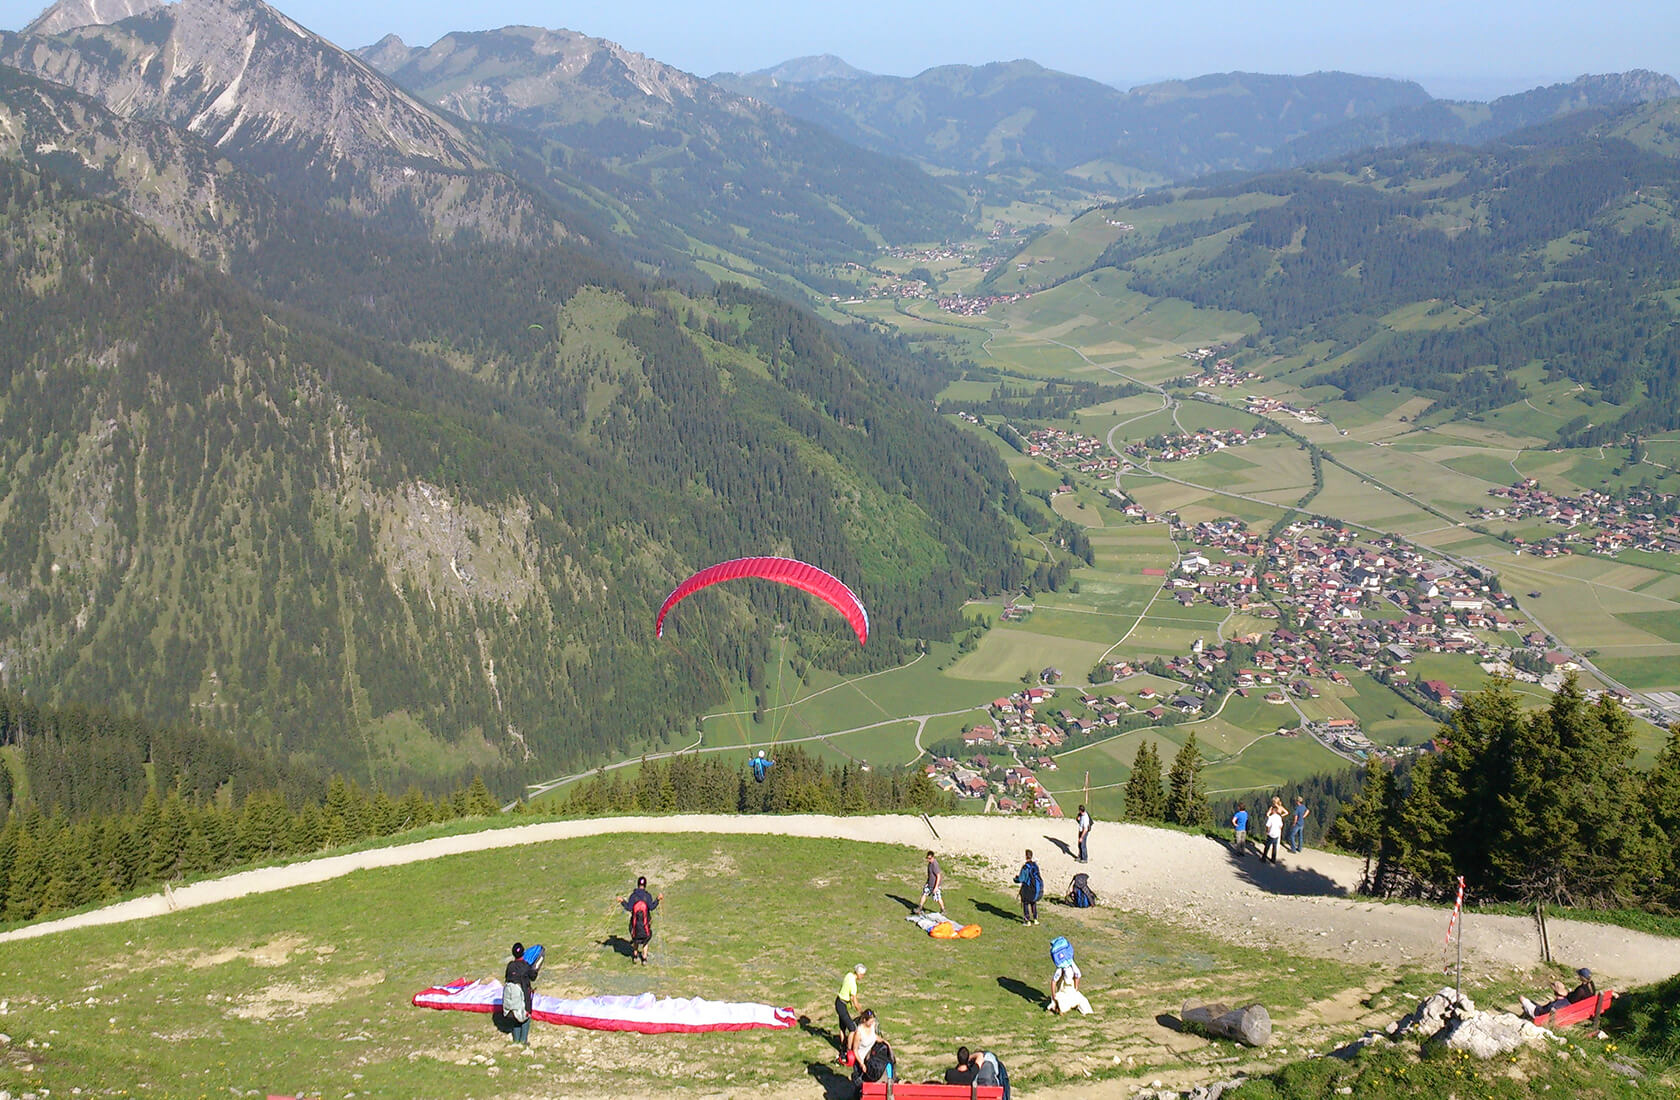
1061 952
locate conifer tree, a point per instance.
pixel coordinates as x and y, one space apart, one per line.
1145 800
1187 794
1361 827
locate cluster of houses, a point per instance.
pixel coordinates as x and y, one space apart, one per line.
1007 753
1072 451
978 304
1642 520
1272 406
1177 448
1220 373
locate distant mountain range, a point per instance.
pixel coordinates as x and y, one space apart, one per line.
743 178
969 118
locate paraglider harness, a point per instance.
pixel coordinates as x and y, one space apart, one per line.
641 921
761 765
1080 892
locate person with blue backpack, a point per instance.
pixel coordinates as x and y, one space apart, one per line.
516 993
1032 888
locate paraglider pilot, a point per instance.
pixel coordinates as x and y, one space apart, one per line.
761 766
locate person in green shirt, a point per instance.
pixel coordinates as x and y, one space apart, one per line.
846 1006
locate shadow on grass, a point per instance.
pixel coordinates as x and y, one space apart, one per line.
827 1036
1281 878
835 1084
1067 850
621 945
997 911
1021 989
909 905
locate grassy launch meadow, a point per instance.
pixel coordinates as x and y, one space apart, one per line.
306 991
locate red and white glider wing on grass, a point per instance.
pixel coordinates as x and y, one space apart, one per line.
644 1012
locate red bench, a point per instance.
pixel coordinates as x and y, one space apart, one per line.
1588 1008
907 1090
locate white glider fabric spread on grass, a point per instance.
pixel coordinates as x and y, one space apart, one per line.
644 1012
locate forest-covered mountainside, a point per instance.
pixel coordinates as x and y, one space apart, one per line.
742 177
971 118
378 492
1555 248
1471 123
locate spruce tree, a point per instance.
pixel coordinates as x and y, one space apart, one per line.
1145 800
1361 826
1187 796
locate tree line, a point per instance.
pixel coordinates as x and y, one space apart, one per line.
51 862
1542 806
799 782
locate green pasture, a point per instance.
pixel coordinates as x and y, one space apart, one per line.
1659 673
1270 761
1007 652
306 991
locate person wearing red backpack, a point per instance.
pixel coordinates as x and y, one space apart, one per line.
640 905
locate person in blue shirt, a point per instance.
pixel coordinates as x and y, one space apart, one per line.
1239 829
1297 823
760 766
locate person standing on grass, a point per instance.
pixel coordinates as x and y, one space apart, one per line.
640 905
1239 829
846 1006
1274 830
1084 820
1032 888
519 973
1298 823
935 878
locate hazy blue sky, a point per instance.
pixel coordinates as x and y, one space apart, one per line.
1453 47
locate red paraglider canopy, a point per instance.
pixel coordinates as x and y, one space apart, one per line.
798 574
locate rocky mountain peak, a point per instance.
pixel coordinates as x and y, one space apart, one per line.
532 66
69 14
239 74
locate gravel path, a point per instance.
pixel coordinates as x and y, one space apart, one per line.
1304 903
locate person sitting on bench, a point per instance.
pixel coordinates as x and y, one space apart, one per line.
1562 997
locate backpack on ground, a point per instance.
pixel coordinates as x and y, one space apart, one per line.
1061 952
1080 892
879 1064
641 920
513 1002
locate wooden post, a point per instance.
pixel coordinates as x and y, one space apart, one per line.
1545 940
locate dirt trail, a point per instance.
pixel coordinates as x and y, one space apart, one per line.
1304 903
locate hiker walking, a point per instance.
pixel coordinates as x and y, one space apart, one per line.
516 994
847 1008
935 878
1032 888
1298 823
640 905
1084 820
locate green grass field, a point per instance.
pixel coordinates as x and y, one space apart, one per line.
306 991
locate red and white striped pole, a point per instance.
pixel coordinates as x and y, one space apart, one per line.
1452 922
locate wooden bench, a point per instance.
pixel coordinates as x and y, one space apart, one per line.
1588 1008
908 1090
